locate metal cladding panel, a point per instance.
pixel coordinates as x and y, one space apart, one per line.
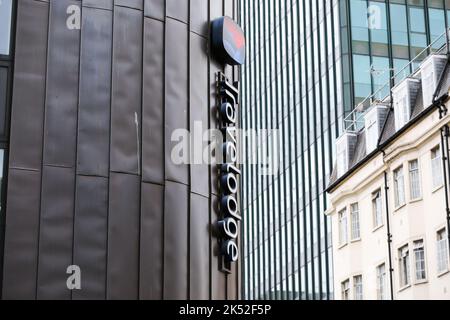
21 238
153 103
95 93
100 4
126 91
214 68
198 112
178 10
155 9
62 88
176 97
228 8
199 17
123 236
175 241
135 4
152 226
199 247
216 9
55 232
27 111
218 279
113 202
90 236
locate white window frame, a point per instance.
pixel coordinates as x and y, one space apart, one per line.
399 187
377 209
342 157
381 282
404 263
358 290
420 261
355 222
401 106
343 227
442 257
345 290
371 125
437 175
429 85
415 181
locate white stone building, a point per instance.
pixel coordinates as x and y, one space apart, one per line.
389 194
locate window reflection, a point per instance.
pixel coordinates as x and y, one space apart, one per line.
362 79
437 27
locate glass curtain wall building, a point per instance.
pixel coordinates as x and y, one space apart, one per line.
381 45
291 83
309 64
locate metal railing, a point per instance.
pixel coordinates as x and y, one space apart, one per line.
355 120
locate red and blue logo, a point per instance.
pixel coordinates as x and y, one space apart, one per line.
228 41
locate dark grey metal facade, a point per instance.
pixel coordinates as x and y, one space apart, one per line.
91 182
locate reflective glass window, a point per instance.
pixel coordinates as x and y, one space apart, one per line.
417 35
437 26
378 28
380 76
362 78
360 30
399 31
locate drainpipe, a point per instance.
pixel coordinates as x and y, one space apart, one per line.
389 235
445 133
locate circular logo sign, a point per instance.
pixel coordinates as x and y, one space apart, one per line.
228 41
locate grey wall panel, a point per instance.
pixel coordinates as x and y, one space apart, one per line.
199 17
55 232
151 263
153 103
3 94
176 84
95 93
155 9
199 247
218 279
123 236
199 112
178 9
27 115
62 88
135 4
90 236
175 241
101 4
21 238
228 8
216 9
137 224
126 91
213 116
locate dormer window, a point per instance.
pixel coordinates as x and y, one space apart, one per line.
404 95
431 71
374 120
345 148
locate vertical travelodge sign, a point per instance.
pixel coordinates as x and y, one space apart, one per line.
228 47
